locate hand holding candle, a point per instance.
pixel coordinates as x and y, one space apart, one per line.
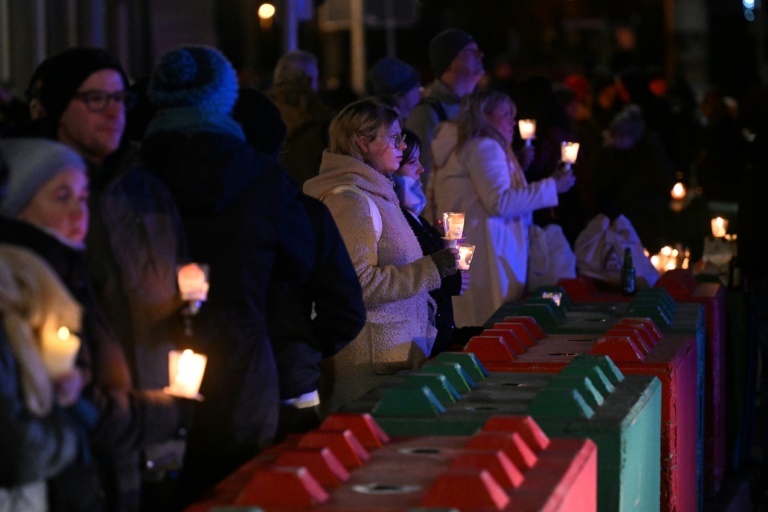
185 372
527 129
59 348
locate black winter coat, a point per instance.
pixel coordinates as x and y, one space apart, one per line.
242 218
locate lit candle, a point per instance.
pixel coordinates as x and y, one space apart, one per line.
568 153
59 348
466 251
656 262
527 128
719 227
185 373
193 282
453 223
678 191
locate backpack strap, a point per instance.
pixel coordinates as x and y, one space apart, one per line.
436 105
373 210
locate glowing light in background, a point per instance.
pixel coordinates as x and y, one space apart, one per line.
266 11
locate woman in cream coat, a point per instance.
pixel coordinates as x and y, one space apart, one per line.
355 176
477 173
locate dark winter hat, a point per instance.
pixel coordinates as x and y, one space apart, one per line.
194 76
261 122
31 164
57 79
445 46
392 76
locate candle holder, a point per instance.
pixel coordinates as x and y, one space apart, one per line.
185 374
466 251
569 151
527 129
193 284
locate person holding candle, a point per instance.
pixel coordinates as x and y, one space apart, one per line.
45 211
242 218
39 436
410 193
355 177
480 175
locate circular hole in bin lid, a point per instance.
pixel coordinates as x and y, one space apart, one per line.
421 451
383 488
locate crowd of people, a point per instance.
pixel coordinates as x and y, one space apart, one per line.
321 229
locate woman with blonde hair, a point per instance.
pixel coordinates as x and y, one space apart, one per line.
478 174
356 183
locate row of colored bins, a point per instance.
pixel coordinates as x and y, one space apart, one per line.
589 397
591 319
350 464
683 287
636 347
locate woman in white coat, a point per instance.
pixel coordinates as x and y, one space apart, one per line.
477 173
356 183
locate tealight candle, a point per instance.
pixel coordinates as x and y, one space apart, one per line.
193 282
719 227
59 348
466 251
185 373
527 129
568 153
453 223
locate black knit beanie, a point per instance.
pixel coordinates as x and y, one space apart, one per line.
57 79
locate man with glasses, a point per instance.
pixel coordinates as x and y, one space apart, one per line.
458 65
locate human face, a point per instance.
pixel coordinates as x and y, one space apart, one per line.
94 134
61 205
383 153
412 168
501 118
469 61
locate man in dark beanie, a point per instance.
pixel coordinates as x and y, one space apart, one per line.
458 65
80 98
242 218
397 81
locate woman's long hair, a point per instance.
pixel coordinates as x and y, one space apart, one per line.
474 117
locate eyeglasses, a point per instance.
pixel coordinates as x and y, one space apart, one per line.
399 138
97 100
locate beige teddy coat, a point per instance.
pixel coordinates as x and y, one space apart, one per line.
395 276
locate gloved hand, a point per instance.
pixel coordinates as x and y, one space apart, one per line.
445 261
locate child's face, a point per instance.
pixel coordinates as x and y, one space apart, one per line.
61 205
412 168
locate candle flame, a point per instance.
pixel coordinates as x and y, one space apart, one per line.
678 191
63 333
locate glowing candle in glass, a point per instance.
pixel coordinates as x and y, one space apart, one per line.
193 282
185 373
527 129
466 251
59 348
453 222
719 227
568 153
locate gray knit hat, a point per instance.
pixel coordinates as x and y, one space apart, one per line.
31 164
445 46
